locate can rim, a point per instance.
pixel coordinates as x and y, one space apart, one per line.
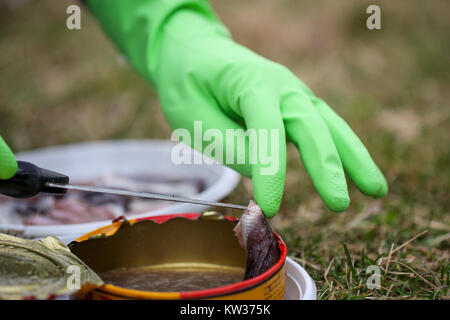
195 294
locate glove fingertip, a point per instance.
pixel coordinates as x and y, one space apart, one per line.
334 191
268 196
8 163
269 209
380 189
8 170
339 204
374 185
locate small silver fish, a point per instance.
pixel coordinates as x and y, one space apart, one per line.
256 237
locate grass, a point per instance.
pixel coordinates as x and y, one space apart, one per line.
391 86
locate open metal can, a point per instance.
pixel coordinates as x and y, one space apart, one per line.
190 241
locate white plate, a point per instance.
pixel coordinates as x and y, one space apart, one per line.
87 160
299 284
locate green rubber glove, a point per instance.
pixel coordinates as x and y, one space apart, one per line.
8 163
200 73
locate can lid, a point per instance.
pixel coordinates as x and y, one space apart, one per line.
41 269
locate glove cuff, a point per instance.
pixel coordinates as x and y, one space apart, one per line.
137 27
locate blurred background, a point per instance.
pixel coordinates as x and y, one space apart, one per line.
391 85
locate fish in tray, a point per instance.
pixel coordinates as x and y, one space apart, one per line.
81 207
257 238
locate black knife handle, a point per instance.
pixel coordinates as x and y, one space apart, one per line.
31 180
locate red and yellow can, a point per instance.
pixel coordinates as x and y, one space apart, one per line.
206 238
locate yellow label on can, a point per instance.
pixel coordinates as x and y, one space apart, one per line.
271 289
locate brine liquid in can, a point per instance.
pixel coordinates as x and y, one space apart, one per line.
176 277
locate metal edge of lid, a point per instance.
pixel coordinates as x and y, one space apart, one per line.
164 239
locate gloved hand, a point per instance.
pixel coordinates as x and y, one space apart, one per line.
200 73
8 163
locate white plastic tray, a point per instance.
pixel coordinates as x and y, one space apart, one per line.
299 285
87 160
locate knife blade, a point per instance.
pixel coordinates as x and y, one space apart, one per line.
31 180
146 195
